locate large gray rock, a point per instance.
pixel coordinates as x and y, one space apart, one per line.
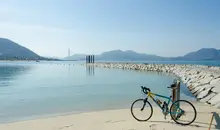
206 80
195 89
207 98
216 88
216 76
195 85
215 99
204 93
217 105
200 88
214 81
201 75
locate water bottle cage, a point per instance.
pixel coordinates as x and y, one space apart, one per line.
165 108
158 102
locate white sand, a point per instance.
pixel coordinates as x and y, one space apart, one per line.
113 120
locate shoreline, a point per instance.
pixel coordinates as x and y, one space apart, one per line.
202 81
63 114
113 119
60 114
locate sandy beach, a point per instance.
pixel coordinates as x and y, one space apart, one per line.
115 120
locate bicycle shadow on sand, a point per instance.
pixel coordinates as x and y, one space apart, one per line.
197 124
173 123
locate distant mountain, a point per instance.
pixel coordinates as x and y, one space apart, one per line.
204 54
119 55
76 57
10 50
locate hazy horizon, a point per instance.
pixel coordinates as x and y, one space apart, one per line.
164 28
137 52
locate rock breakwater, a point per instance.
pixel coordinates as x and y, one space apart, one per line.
202 81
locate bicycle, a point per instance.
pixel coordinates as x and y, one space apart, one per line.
176 110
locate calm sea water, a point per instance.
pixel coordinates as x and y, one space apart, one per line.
40 89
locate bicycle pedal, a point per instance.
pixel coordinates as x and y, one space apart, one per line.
165 117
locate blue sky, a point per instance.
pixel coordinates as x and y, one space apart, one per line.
161 27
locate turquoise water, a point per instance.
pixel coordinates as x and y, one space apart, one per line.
31 90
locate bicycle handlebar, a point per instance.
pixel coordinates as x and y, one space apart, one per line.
145 89
173 86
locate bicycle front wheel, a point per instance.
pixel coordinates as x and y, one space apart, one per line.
141 110
183 112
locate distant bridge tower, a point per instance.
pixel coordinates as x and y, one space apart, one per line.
69 53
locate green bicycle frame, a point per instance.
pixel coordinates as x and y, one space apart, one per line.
169 100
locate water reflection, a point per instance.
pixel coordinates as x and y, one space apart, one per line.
90 70
183 87
8 73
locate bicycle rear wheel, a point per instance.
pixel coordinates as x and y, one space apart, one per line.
183 112
141 110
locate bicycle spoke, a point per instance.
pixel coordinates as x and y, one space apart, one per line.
141 110
183 112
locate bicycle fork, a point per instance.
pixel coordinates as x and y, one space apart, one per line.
144 104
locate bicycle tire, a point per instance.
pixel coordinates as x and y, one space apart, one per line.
151 109
195 112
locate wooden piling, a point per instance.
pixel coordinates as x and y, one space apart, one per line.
173 95
176 96
91 58
178 91
88 58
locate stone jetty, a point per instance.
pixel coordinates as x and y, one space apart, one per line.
202 81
